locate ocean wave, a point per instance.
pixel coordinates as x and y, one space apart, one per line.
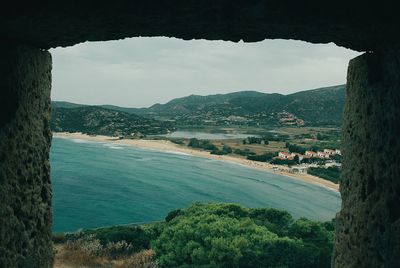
143 159
80 141
113 146
178 153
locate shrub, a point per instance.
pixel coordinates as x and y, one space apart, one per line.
177 141
118 249
225 150
255 140
277 221
59 238
245 152
261 158
142 259
317 240
77 258
86 243
229 235
202 144
277 161
331 173
293 148
134 235
171 215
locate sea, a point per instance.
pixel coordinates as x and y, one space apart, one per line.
98 184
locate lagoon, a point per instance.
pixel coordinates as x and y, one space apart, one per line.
206 135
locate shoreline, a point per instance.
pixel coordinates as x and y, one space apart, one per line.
170 147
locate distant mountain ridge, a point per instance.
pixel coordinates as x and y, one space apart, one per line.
102 121
317 107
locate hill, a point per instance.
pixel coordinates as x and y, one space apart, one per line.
65 104
318 107
103 121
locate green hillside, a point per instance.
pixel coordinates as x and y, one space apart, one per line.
65 104
318 107
102 121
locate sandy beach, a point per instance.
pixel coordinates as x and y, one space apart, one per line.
167 146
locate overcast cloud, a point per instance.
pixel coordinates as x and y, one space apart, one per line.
139 72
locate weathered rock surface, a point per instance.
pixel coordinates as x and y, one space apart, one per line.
358 25
368 228
25 137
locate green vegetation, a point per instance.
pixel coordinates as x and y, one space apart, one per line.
229 235
322 137
244 152
263 157
318 107
255 140
217 235
277 161
331 173
101 121
179 141
275 136
202 144
293 148
134 235
225 150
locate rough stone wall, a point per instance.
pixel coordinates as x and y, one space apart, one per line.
368 226
25 137
359 25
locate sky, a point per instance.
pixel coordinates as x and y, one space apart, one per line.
139 72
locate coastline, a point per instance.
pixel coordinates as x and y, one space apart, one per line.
167 146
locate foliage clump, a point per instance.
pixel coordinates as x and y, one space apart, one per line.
229 235
209 235
331 173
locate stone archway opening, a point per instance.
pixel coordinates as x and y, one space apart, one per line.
105 67
368 231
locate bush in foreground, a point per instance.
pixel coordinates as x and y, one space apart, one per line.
208 235
228 235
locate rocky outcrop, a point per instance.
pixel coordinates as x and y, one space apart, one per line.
358 25
368 226
25 137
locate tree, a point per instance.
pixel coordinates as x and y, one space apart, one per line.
296 159
316 238
229 235
321 137
261 158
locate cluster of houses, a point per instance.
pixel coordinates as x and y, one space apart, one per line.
302 168
325 154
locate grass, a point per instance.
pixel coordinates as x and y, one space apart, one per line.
67 257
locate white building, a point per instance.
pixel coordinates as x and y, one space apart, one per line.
332 164
323 155
311 154
285 155
329 151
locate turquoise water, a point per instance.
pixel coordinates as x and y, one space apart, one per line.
101 184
